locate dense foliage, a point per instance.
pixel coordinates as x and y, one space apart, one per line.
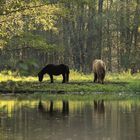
34 33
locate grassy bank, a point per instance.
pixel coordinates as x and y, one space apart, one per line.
79 83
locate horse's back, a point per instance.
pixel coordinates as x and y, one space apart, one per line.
64 67
57 69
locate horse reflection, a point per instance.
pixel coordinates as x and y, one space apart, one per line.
65 109
41 107
99 106
50 109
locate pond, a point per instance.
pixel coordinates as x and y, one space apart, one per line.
69 120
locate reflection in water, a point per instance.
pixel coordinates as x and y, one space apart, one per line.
51 106
69 120
40 107
52 111
99 106
65 109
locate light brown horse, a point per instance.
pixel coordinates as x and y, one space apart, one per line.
99 70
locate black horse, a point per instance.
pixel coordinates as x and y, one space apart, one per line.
52 69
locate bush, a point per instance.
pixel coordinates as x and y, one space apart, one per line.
27 67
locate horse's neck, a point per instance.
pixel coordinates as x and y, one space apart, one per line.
44 71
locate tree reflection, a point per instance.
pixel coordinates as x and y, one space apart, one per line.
43 119
99 106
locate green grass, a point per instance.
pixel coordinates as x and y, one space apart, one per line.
72 97
79 83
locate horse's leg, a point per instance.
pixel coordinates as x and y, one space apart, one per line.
102 78
64 78
67 76
51 77
95 77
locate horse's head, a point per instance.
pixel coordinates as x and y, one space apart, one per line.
40 76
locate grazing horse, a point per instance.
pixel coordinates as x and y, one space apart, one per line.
52 69
99 70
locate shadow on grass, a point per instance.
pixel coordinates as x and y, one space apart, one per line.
105 83
116 83
44 83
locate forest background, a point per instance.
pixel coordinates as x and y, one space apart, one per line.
34 33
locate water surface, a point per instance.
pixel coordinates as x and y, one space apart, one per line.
69 120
